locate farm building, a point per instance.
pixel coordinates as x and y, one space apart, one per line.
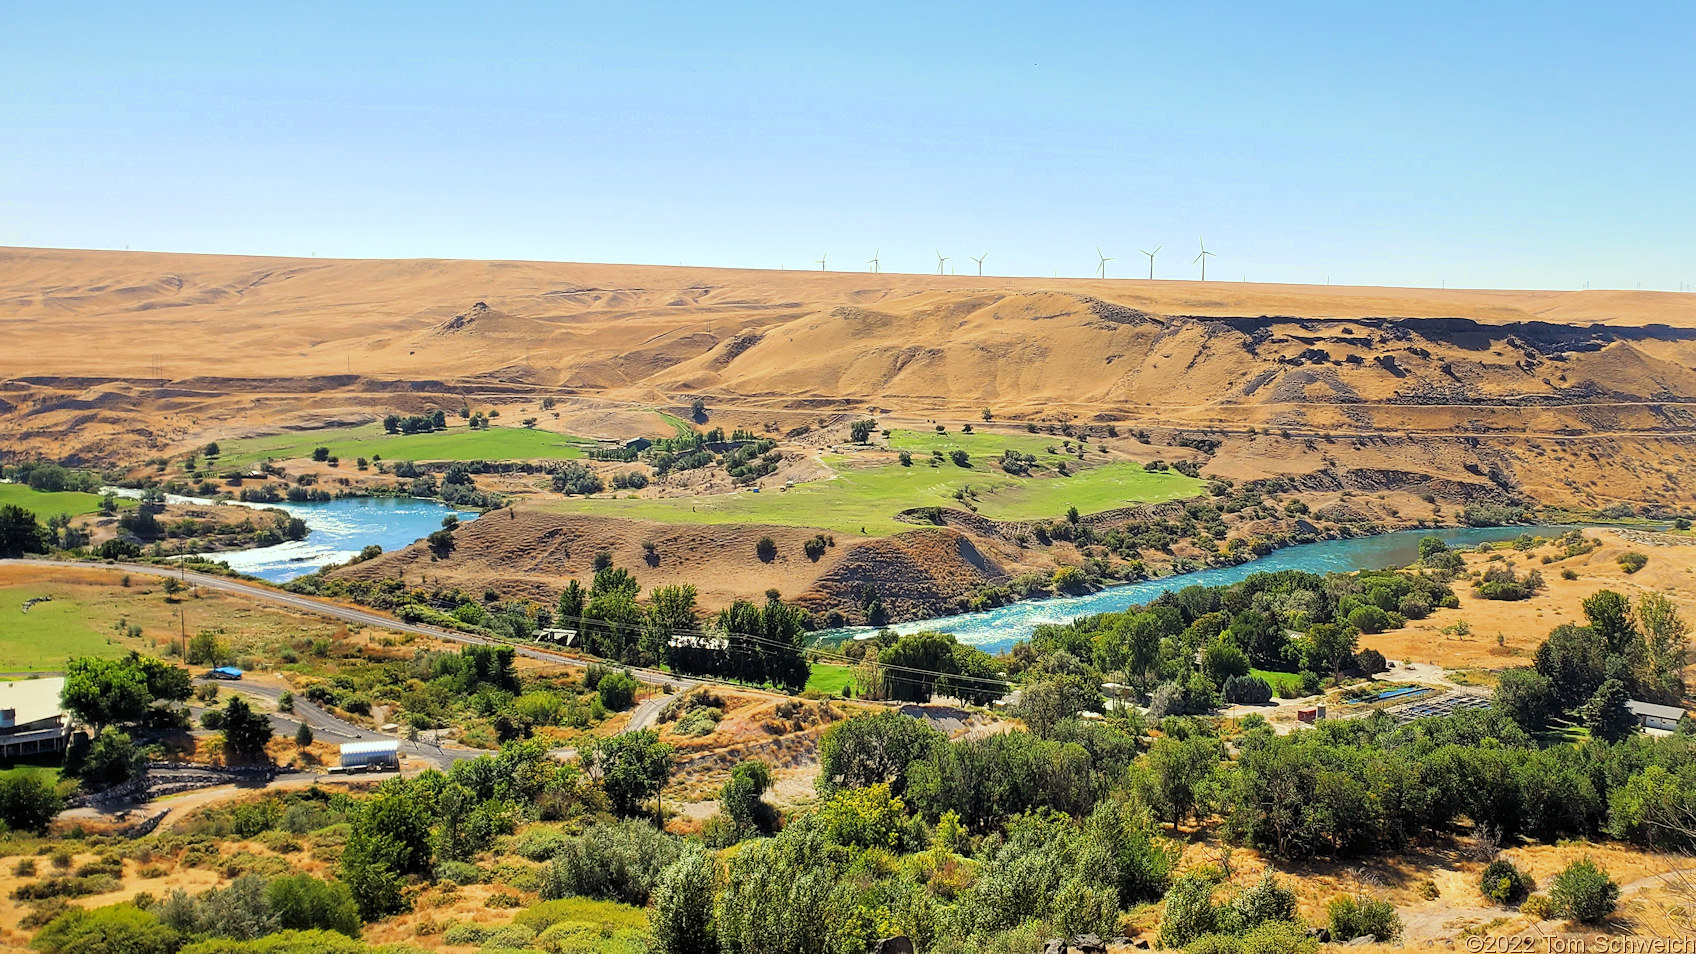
370 756
1652 716
31 717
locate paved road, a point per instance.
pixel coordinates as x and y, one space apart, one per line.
329 728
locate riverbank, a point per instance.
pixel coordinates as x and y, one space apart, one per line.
998 629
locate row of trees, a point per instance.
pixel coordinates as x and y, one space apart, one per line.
746 641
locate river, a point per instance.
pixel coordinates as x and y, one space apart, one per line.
339 528
999 628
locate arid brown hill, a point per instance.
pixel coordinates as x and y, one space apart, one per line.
113 354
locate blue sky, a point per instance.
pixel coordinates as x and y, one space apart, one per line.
1507 145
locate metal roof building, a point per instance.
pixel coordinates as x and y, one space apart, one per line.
31 717
371 755
1652 716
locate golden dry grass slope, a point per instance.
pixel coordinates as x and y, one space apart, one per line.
114 353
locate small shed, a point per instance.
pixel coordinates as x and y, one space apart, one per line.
225 672
1652 716
371 756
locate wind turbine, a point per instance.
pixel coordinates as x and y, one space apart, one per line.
1101 267
820 261
979 259
873 262
1151 255
940 258
1202 258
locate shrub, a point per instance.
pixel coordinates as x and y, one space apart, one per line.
469 934
116 929
1247 690
1353 917
1369 619
1584 892
766 549
28 803
615 862
539 844
1503 882
1633 561
304 903
617 690
1189 913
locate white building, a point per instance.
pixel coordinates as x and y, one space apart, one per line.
31 717
1652 716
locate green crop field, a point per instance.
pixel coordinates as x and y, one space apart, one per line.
369 441
866 497
830 679
45 505
983 444
43 638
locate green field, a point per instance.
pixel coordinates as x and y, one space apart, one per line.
1278 679
45 505
369 441
866 497
42 639
830 679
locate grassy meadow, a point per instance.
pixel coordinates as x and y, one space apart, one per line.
830 678
865 497
45 505
456 443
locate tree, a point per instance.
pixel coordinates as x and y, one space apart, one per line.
1178 772
303 736
28 803
913 665
1609 614
1665 647
870 749
1047 701
632 768
114 929
1584 892
682 919
388 839
1575 660
1526 696
740 796
861 431
617 690
20 533
1606 715
245 731
1332 644
571 601
104 692
1223 661
110 759
304 903
671 609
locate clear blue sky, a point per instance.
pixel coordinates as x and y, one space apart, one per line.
1485 144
